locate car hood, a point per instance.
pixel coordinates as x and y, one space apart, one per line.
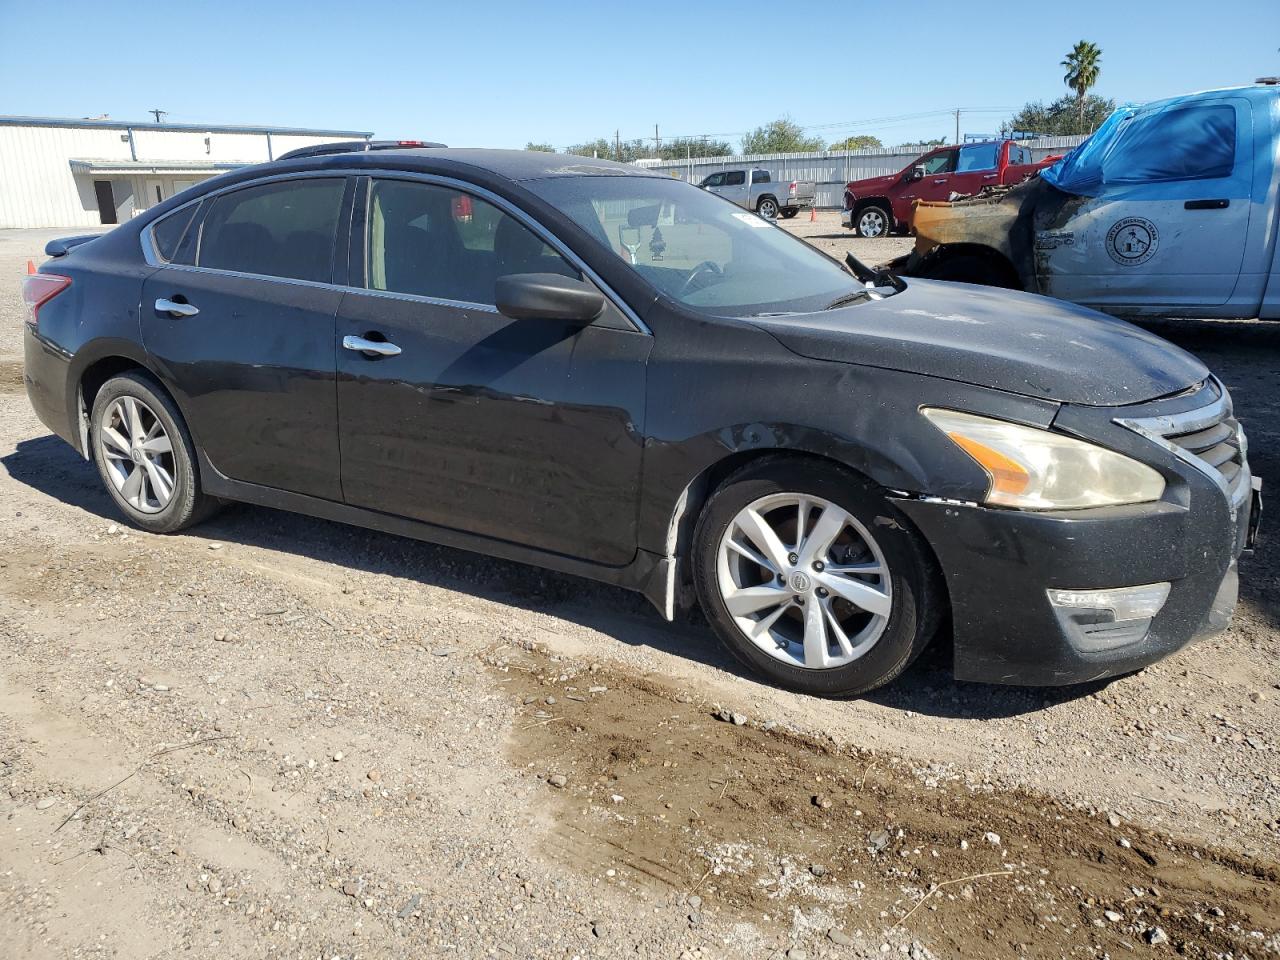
872 183
1017 342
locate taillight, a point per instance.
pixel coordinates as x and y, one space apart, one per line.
792 189
411 143
38 289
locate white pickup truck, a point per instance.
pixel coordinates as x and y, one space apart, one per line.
757 190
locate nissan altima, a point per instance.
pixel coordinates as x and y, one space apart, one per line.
601 370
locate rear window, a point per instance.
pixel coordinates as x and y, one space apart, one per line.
283 229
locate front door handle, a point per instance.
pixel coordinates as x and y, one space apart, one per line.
1216 204
943 180
175 309
380 347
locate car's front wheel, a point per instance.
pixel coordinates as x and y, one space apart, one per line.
812 578
873 222
145 455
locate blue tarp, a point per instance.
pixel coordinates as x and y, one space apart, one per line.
1171 141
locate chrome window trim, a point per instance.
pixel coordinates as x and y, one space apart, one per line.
1159 429
152 257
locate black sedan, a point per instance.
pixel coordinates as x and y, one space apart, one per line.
608 372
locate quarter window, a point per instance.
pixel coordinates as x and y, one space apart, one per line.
170 236
283 229
432 241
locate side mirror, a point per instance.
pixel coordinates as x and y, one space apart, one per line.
548 296
917 173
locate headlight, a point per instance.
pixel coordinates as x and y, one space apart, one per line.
1037 470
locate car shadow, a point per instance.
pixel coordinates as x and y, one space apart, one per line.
48 466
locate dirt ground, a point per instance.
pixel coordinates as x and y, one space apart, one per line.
279 737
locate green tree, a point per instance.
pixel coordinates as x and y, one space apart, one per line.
862 142
1082 66
783 135
682 147
1064 117
540 147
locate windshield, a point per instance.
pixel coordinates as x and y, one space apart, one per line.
701 250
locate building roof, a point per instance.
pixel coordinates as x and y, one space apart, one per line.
7 121
154 168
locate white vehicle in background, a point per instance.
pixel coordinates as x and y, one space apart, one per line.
757 190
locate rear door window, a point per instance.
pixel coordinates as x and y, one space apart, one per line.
281 229
432 241
760 176
978 156
735 178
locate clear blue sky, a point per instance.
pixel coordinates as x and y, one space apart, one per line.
503 72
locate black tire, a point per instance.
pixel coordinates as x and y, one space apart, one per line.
969 268
873 214
187 504
918 606
789 212
768 208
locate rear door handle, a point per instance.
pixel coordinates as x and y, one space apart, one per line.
1217 204
361 345
990 176
176 309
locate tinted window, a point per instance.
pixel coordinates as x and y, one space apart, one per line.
169 234
944 162
1184 143
697 248
431 241
715 180
760 176
979 156
735 178
281 229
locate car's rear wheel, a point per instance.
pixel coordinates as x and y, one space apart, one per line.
812 578
873 222
789 212
768 208
145 455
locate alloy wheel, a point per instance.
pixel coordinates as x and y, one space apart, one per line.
804 580
871 224
138 454
768 209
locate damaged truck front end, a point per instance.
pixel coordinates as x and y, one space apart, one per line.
1169 209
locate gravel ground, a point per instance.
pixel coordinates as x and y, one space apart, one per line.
276 736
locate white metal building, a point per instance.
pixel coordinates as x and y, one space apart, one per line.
82 173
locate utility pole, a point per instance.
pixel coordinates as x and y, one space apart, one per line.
957 126
159 114
617 145
657 143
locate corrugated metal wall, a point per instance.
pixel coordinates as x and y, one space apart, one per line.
830 170
38 188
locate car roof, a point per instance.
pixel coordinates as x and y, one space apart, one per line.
507 164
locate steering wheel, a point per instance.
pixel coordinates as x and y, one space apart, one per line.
709 267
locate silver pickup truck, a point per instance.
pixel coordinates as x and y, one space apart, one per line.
757 190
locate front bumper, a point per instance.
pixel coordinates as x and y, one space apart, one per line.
999 564
846 219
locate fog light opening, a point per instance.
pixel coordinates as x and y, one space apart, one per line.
1113 617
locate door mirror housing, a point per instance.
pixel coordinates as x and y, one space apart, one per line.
917 173
548 296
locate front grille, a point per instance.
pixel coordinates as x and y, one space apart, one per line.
1209 437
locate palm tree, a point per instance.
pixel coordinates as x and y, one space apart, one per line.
1083 64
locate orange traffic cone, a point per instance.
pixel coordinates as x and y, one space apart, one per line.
813 214
31 266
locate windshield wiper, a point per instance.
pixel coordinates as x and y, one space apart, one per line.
876 277
848 298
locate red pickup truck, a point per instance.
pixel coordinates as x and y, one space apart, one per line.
878 206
